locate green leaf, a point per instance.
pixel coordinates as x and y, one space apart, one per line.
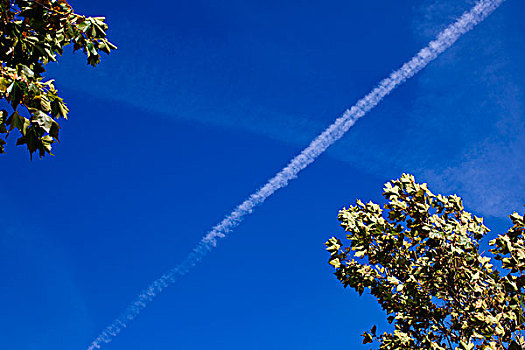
466 346
3 119
32 36
42 120
367 338
19 122
514 346
424 267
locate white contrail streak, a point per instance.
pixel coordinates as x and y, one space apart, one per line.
444 40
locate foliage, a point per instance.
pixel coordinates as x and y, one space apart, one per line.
419 257
33 32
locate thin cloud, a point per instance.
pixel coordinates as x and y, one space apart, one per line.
477 113
318 146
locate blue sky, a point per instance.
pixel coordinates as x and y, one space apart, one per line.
201 104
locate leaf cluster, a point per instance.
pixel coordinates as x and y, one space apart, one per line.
419 257
32 34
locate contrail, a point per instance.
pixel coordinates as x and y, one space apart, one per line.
334 132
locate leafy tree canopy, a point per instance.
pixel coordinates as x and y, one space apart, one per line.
419 257
33 32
